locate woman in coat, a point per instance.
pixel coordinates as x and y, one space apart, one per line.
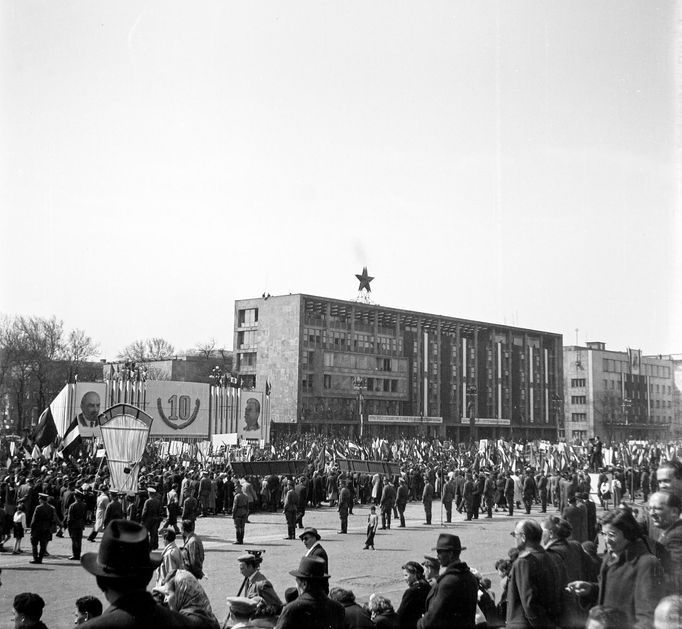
631 578
413 603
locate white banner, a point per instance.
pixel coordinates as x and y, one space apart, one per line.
403 419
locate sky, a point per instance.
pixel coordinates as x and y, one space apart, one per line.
511 161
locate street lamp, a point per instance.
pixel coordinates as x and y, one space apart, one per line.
472 394
360 384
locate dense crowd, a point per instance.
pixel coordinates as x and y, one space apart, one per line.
554 576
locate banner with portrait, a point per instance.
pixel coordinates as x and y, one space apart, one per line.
251 422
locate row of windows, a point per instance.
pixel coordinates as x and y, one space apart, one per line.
329 381
623 366
578 399
577 382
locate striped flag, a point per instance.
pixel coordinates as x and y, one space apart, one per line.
72 439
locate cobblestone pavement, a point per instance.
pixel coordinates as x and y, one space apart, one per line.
60 581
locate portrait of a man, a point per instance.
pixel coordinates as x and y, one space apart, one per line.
90 404
252 414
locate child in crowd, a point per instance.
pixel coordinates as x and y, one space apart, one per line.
372 524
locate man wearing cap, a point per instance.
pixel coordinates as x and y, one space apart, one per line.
313 609
123 567
257 587
240 513
41 524
151 516
452 600
75 519
311 539
387 503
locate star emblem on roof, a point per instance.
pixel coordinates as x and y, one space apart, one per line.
364 279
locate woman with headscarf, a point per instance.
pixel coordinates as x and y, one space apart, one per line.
413 603
630 578
185 595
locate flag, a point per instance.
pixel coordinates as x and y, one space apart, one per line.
268 387
72 439
46 430
36 453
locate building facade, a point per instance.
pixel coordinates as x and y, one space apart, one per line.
361 368
618 395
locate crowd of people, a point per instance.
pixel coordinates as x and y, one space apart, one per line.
553 576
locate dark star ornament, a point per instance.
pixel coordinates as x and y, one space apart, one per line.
365 279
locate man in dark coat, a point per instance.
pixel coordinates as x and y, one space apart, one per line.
311 540
452 600
489 486
240 514
387 502
448 497
529 490
301 490
344 506
468 495
543 487
402 496
665 508
76 520
313 609
427 500
509 493
151 516
41 523
532 590
123 568
290 509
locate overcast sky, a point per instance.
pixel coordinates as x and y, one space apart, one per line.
507 161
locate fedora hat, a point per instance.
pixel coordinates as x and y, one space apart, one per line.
124 552
242 606
446 541
310 568
310 531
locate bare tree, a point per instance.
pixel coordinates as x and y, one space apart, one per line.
205 350
154 348
78 348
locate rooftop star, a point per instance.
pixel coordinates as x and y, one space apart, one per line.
365 279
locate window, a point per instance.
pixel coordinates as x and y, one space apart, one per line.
579 434
394 386
248 317
246 339
578 399
578 417
577 382
327 381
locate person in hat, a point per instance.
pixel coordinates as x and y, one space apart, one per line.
311 540
451 601
41 525
313 609
75 519
123 567
257 587
114 510
344 507
402 496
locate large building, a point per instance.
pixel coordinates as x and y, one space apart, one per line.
619 395
362 368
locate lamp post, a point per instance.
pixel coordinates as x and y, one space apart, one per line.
556 405
472 396
360 384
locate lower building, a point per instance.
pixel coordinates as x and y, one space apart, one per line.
618 395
